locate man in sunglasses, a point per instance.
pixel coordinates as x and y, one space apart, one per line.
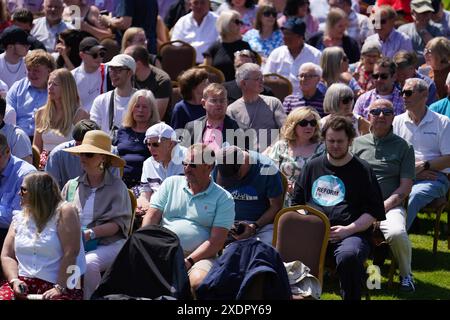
384 75
165 161
12 172
391 41
255 184
91 75
428 132
196 209
392 160
345 188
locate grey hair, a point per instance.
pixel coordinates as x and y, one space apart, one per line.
309 65
244 71
418 84
333 96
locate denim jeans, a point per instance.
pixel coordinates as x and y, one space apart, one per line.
422 193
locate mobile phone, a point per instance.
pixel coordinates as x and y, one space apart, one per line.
240 228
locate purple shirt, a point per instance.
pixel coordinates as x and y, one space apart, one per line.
395 42
362 104
294 101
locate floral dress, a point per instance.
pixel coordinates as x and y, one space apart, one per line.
263 46
290 166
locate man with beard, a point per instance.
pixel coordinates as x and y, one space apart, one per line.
345 188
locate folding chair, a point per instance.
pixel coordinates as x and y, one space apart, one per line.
280 86
303 237
176 57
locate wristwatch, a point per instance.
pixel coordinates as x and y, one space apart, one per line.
426 165
91 234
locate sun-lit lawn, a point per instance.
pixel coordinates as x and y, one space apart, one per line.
431 273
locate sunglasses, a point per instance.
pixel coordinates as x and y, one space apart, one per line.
87 155
270 13
238 21
307 76
407 93
385 111
95 55
382 76
303 123
153 144
190 165
346 100
382 21
23 190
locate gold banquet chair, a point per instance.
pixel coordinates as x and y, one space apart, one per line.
176 57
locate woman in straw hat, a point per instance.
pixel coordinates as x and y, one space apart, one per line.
42 243
103 202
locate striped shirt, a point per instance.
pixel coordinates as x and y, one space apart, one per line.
294 101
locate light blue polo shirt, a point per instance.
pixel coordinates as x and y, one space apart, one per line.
190 216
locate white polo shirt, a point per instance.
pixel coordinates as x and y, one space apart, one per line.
430 138
281 61
201 37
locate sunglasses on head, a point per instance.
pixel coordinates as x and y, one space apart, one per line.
385 111
303 123
346 100
87 155
407 93
270 13
382 76
190 165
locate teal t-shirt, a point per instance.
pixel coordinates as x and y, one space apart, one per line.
442 107
189 216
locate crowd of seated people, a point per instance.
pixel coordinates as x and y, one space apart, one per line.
85 102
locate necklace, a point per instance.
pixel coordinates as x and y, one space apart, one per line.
17 69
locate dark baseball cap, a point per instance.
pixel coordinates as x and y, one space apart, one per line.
295 25
90 45
13 35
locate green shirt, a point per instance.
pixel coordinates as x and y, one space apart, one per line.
390 157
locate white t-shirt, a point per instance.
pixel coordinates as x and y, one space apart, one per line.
280 61
89 85
10 73
201 37
100 109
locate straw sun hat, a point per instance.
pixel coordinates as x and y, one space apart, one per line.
97 141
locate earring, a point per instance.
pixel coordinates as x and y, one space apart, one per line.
102 166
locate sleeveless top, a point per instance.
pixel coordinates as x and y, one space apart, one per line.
39 254
51 139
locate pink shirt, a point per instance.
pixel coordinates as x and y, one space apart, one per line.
213 136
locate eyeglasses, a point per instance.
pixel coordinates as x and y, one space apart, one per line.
307 76
23 190
245 52
238 21
190 165
95 55
261 78
346 100
153 144
382 21
427 51
382 76
407 93
270 13
303 123
87 155
385 111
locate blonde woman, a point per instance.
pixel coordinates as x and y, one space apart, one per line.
53 229
334 64
136 36
141 114
55 120
300 141
221 53
339 100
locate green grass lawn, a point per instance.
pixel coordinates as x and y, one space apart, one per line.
431 273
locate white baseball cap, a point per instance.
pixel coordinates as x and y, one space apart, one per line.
160 130
123 60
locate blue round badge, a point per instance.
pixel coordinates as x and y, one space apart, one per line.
328 191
